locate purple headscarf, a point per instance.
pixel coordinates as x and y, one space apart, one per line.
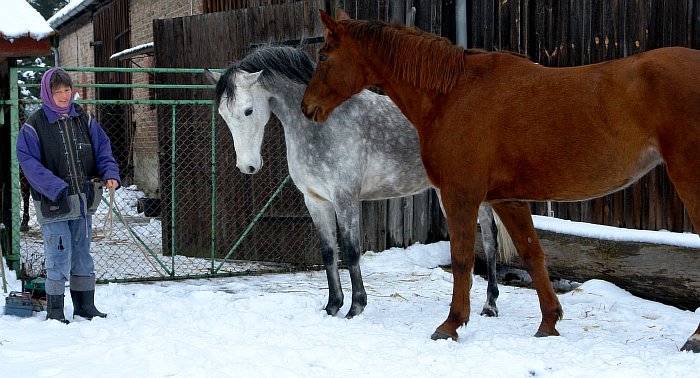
46 96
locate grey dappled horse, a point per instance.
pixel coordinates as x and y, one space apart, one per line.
367 150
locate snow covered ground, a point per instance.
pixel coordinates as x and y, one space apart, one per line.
273 326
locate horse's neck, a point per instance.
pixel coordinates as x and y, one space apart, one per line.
284 103
415 103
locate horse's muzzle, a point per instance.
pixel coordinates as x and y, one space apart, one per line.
312 112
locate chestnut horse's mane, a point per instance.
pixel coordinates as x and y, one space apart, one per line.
426 60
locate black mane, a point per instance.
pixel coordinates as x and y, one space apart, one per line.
275 62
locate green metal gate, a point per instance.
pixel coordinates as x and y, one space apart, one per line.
186 150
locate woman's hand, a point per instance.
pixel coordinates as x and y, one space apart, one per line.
111 184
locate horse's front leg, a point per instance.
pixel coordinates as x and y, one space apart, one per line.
518 221
461 212
488 238
348 212
323 215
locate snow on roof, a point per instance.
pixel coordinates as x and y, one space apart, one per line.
19 19
140 49
70 10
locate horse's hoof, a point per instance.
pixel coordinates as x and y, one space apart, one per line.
24 228
489 312
332 310
438 335
541 333
354 311
691 346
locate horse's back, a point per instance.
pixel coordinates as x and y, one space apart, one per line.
570 133
393 164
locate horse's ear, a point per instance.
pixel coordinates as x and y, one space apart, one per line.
248 79
328 22
213 77
341 14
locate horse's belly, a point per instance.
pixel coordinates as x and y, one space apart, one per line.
579 180
392 186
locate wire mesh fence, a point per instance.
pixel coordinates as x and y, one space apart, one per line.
184 209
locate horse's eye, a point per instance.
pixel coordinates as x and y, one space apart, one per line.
322 58
248 112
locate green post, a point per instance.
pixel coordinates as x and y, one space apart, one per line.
213 185
14 170
172 193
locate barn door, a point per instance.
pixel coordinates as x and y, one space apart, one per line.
112 35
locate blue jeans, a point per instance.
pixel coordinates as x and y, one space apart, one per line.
67 251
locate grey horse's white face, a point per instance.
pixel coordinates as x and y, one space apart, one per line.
246 116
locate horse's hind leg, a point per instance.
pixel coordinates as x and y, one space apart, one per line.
693 343
347 210
684 171
488 237
323 215
518 221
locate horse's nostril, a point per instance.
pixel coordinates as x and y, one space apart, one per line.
251 169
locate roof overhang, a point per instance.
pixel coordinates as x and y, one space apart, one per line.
145 49
24 47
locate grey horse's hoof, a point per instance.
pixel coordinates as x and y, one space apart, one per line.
332 309
354 311
691 346
489 312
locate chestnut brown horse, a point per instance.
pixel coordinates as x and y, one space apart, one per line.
497 127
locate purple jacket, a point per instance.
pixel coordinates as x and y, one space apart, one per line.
41 178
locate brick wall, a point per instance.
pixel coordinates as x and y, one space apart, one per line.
74 50
142 13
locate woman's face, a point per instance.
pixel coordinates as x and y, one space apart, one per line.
61 95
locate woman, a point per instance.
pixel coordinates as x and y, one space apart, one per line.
66 156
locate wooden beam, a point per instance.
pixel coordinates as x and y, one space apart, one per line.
24 47
662 273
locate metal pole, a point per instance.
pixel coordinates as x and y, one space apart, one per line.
172 194
461 22
213 185
14 171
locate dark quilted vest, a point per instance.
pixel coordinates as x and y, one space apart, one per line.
54 155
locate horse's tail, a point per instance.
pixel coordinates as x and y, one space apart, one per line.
506 247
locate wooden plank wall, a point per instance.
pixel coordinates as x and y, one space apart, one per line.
213 41
552 32
562 33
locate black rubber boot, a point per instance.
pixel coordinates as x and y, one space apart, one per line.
84 304
54 308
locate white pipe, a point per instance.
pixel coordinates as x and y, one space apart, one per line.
461 22
57 58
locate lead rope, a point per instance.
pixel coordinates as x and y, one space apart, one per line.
110 215
110 225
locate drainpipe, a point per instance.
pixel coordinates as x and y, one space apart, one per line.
461 22
56 58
